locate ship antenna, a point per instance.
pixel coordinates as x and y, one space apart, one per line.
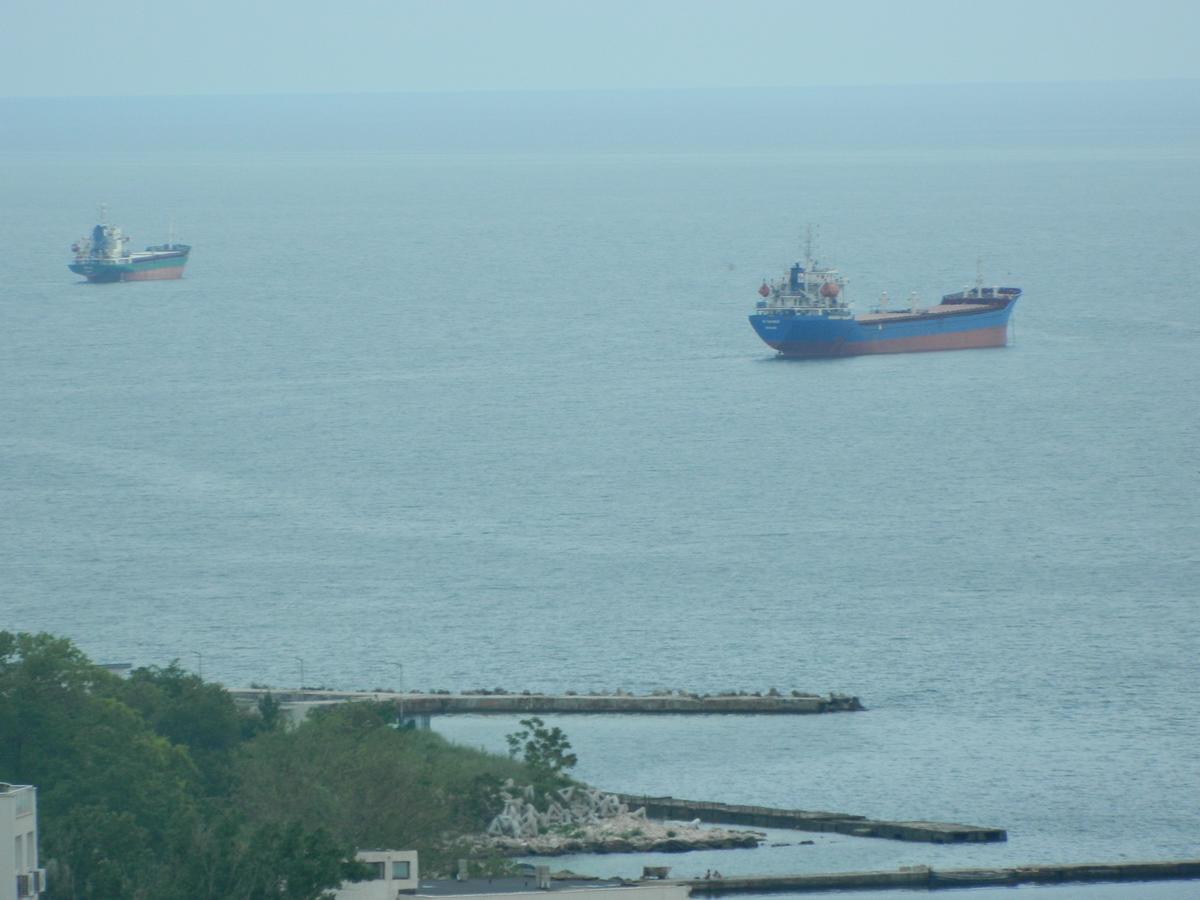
978 276
808 248
103 213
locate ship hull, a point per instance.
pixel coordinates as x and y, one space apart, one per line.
964 328
156 268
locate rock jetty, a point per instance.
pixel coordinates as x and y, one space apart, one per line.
584 820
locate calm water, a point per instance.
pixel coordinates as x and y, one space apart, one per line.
458 419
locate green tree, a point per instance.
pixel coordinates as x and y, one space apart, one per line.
95 851
111 793
233 860
156 788
270 715
63 729
45 685
373 785
122 805
189 712
545 750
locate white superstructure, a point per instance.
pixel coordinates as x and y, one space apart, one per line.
806 290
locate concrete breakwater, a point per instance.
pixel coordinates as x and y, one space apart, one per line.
578 819
527 703
918 877
807 820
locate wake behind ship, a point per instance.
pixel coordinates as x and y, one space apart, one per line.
806 315
103 257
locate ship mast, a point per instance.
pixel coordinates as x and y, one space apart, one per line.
808 256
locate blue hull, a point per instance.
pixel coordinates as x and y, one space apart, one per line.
814 335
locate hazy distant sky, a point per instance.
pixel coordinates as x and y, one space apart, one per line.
131 47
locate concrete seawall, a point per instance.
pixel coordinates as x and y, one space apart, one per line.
417 704
918 877
807 820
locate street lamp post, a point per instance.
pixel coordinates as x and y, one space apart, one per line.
400 666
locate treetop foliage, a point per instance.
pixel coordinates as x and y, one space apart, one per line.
158 786
545 750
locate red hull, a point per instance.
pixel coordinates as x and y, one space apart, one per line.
992 336
155 274
995 336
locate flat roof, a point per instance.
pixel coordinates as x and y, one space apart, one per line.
449 887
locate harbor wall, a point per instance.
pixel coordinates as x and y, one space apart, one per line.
416 704
923 877
809 820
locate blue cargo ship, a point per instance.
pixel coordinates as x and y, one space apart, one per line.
104 257
806 315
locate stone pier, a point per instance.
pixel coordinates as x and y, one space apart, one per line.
923 877
526 703
808 820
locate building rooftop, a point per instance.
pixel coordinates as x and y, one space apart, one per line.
450 887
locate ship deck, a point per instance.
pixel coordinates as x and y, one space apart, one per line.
949 309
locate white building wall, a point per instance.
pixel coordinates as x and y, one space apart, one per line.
18 836
393 863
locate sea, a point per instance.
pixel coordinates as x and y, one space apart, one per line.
458 391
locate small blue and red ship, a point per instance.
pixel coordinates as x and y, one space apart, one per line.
105 258
806 315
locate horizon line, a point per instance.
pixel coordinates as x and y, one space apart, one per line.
447 92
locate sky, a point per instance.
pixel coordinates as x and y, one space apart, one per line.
55 48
